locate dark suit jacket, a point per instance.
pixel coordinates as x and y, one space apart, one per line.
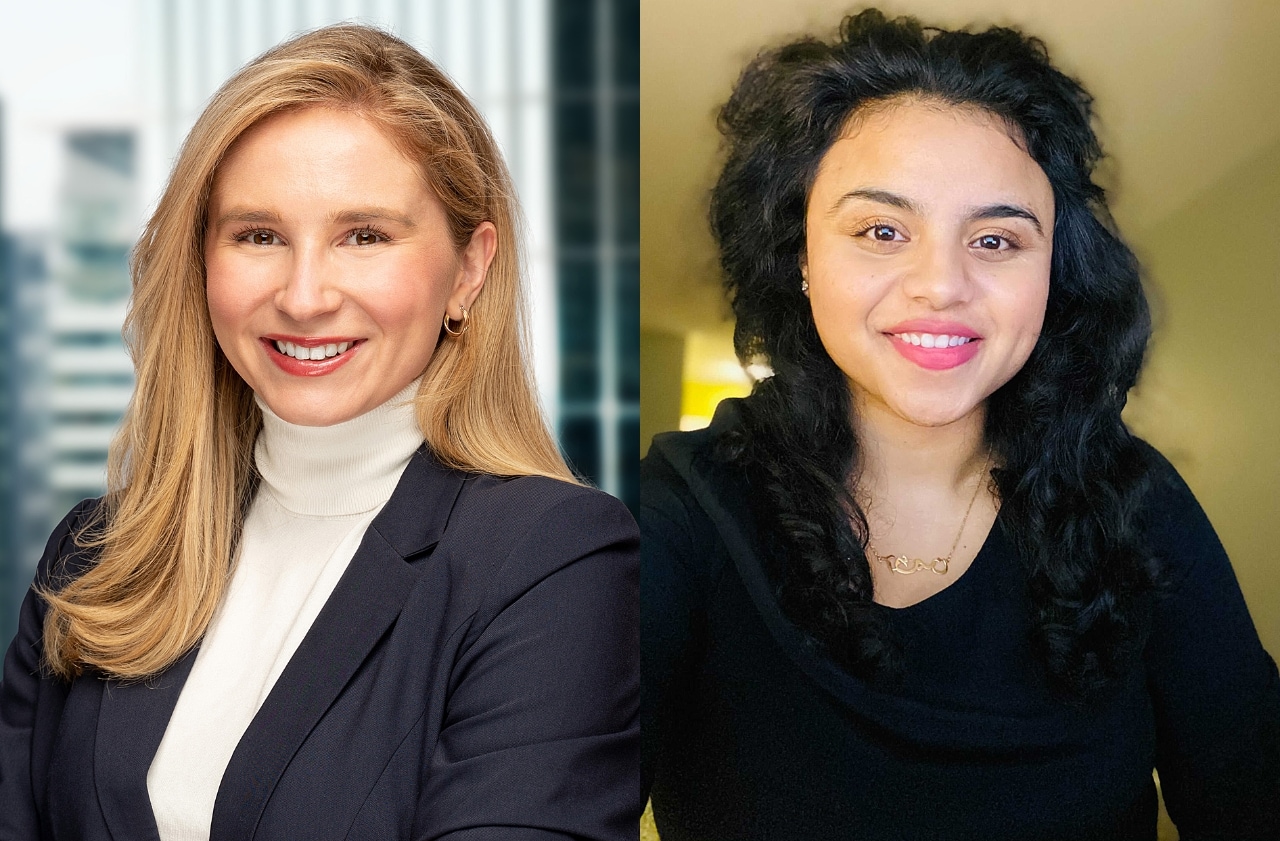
474 675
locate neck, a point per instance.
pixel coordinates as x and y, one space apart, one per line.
339 470
895 453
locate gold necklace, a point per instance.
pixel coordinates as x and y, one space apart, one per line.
903 565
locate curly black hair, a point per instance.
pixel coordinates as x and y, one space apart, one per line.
1071 477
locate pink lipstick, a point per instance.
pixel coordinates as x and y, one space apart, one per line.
934 345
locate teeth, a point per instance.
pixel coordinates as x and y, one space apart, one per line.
311 353
932 340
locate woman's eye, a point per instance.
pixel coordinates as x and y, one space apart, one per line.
993 242
882 233
364 238
260 238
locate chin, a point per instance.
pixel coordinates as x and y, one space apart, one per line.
310 413
934 415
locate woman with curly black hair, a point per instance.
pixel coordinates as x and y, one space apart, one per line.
923 582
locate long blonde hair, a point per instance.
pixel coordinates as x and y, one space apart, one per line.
180 472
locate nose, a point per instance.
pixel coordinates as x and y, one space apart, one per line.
309 289
940 277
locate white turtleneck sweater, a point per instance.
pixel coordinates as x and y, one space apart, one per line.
320 489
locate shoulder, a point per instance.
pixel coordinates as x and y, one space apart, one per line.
65 555
1168 497
65 559
1163 476
507 534
1178 532
686 453
689 493
538 503
684 463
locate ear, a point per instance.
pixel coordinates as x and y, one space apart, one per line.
473 267
803 260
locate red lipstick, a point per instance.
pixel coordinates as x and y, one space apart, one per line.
309 367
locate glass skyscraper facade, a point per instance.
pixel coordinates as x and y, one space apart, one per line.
8 415
86 375
597 160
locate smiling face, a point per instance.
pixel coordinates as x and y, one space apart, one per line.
929 238
330 265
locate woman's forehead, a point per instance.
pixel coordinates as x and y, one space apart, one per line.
884 109
320 158
933 153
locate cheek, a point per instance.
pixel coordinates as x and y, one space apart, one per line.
229 307
407 297
843 298
403 322
1035 299
408 308
1025 309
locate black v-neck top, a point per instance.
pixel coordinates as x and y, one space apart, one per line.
751 732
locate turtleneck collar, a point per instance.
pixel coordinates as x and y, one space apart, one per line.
345 469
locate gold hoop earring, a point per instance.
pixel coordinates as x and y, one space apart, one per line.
462 321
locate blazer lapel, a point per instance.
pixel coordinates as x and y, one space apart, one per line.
131 722
414 517
365 603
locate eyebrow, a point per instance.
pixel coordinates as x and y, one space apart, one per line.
1006 211
987 211
373 214
364 214
880 197
250 216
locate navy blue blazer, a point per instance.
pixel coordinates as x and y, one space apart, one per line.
474 676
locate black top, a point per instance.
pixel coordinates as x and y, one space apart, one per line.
750 731
473 677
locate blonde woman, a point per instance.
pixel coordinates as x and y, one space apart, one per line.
343 584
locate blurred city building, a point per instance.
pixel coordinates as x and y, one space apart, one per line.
597 143
85 375
558 81
8 409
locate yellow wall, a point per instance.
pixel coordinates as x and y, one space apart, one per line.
661 362
711 373
1210 397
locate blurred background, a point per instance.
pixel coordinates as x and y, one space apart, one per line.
94 102
1188 99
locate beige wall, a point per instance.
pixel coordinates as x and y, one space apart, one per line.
660 354
1188 94
1210 396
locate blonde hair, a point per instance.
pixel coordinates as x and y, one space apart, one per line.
180 472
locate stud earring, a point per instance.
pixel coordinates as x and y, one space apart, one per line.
804 286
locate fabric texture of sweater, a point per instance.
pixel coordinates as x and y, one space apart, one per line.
320 488
751 732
